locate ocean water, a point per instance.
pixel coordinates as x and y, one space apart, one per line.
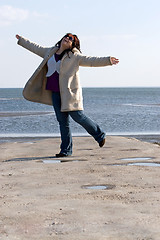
119 111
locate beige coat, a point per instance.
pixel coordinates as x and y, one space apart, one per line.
69 82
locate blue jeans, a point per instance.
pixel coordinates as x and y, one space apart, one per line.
78 116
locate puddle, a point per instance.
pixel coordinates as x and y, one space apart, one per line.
51 161
147 164
144 164
98 187
62 161
136 159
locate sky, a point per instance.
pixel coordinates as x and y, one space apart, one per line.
126 29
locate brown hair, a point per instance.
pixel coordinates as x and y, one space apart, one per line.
75 43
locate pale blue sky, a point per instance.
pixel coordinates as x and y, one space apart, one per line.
126 29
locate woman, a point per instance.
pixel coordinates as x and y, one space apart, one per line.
56 81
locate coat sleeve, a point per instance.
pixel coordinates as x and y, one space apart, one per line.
33 47
87 61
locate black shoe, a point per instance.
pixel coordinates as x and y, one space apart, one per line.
101 143
59 155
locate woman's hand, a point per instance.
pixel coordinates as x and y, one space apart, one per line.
114 60
17 36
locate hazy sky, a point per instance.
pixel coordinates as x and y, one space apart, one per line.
126 29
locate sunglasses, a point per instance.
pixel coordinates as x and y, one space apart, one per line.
69 37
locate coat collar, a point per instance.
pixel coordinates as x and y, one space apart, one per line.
54 49
74 50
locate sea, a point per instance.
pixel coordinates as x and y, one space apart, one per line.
118 111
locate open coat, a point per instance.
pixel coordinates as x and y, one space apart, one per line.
69 82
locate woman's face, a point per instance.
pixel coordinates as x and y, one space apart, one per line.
67 41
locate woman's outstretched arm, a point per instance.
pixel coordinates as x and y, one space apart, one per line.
88 61
31 46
